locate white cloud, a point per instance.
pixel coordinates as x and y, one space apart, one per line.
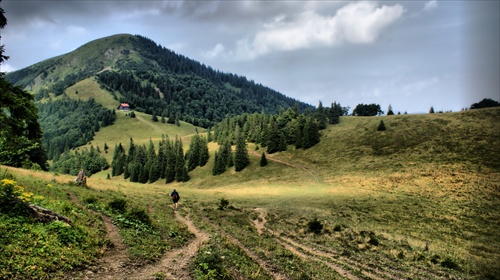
358 23
431 5
6 68
215 52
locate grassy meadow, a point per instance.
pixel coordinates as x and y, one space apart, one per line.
417 201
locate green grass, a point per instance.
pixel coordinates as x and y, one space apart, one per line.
381 197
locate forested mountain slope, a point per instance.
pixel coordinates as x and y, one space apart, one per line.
152 79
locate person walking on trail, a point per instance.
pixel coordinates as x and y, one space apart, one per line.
175 198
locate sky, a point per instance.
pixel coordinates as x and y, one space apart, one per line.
408 54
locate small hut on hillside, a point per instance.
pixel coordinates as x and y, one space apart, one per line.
124 107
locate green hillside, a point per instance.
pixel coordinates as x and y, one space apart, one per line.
416 201
152 79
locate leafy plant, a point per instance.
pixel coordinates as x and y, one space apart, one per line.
315 226
223 203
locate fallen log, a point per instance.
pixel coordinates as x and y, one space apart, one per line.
46 215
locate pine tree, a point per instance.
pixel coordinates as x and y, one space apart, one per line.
273 137
193 154
119 160
241 157
389 110
180 162
431 110
170 162
381 126
321 116
130 157
263 160
204 154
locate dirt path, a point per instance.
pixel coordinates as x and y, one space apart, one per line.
174 264
314 175
115 256
115 262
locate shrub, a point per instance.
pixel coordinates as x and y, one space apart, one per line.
315 226
223 203
139 215
118 204
381 126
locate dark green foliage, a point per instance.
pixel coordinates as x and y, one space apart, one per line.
263 160
223 203
118 204
381 126
315 226
485 103
119 161
206 96
154 118
335 111
132 114
241 157
275 132
431 110
88 160
367 110
321 116
138 215
20 131
180 163
389 111
67 124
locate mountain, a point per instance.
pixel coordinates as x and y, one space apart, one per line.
151 79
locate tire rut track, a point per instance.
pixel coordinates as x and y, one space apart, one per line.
267 266
337 264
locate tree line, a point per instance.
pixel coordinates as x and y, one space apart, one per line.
169 162
67 124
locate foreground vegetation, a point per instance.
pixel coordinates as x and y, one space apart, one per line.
421 206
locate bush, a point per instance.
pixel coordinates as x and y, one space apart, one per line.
315 226
118 204
223 203
381 126
13 199
139 215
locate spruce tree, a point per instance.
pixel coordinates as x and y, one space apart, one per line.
321 116
204 154
241 157
273 137
170 162
263 160
381 126
389 110
119 160
180 162
193 154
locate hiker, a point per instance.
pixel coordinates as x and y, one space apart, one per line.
175 198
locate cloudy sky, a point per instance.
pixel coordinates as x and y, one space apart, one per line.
410 54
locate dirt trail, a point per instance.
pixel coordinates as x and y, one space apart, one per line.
115 262
174 265
314 175
115 256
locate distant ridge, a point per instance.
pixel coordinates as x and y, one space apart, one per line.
152 79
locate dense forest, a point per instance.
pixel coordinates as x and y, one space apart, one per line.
67 124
